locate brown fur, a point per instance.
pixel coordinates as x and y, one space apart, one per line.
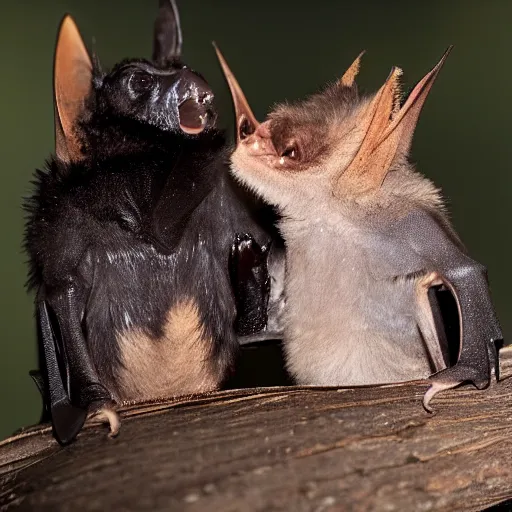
176 363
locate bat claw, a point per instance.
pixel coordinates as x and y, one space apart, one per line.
433 390
107 414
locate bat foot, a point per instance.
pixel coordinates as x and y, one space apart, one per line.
434 389
67 421
107 414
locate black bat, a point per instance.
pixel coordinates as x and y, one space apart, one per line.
144 256
374 268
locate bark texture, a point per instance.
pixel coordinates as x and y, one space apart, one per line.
286 448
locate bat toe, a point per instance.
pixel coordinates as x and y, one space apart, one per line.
434 389
453 377
107 414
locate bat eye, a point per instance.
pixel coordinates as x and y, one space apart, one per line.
140 82
245 129
291 152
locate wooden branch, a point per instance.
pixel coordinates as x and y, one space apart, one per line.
287 448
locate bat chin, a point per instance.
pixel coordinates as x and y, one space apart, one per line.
193 130
246 179
269 192
250 168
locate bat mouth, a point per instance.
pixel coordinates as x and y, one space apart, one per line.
195 103
256 139
194 115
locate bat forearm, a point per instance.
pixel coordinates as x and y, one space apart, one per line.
480 328
57 393
67 419
437 251
84 387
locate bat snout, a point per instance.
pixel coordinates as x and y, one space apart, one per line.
260 143
195 103
194 116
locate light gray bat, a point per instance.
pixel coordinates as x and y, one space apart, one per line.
371 255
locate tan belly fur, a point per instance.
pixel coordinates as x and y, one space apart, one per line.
177 363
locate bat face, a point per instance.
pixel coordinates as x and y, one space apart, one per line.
289 158
163 93
171 99
331 148
281 158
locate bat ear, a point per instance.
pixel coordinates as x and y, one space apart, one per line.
167 40
349 77
403 125
72 84
246 123
389 130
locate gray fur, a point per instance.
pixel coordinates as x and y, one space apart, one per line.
366 239
352 314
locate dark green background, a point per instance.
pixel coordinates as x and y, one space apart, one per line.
279 50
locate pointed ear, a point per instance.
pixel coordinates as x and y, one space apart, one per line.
348 79
167 39
72 84
363 173
246 123
407 119
389 131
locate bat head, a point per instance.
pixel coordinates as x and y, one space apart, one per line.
332 146
163 93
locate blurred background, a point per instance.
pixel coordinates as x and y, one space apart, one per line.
279 50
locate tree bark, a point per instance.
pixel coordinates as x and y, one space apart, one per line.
285 448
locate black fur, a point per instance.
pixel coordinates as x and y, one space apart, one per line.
147 217
93 224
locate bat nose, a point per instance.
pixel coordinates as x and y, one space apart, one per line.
260 142
263 130
192 86
195 99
